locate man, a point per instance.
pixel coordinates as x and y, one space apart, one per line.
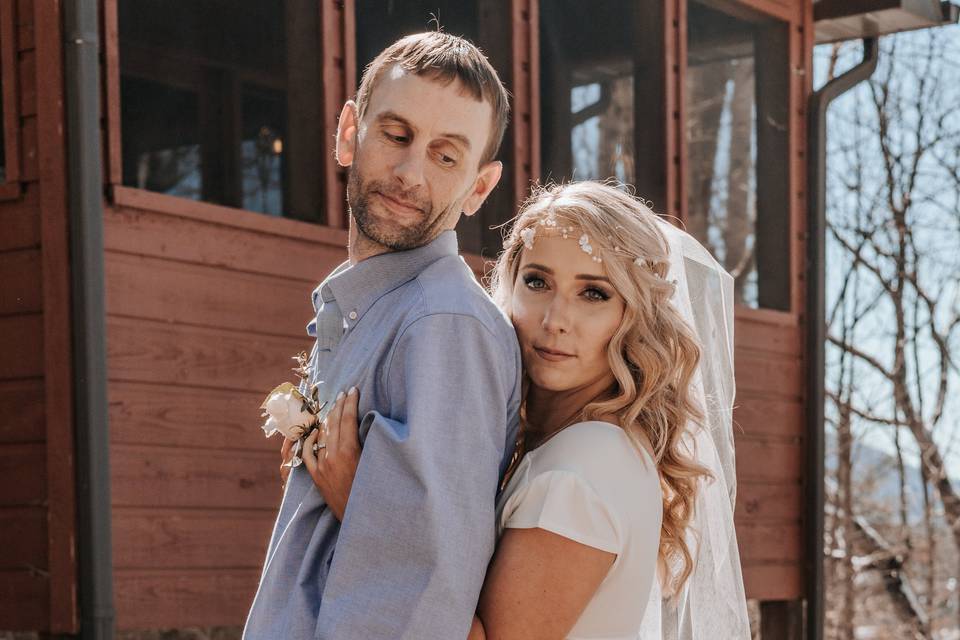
435 362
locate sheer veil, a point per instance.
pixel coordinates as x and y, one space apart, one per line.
712 603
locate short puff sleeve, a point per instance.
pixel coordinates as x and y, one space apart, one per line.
564 503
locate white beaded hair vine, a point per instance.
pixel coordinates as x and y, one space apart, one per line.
529 234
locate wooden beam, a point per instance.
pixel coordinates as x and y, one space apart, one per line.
338 77
57 342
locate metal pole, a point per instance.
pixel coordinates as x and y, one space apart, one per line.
816 325
85 193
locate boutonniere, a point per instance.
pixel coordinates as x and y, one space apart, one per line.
290 412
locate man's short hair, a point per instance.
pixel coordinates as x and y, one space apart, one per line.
445 58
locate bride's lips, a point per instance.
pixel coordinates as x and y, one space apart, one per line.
398 206
552 355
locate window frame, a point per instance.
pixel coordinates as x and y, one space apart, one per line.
337 61
9 58
792 20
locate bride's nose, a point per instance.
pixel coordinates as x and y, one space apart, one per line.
556 316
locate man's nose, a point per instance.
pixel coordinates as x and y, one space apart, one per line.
409 171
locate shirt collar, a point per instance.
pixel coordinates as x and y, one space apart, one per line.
357 287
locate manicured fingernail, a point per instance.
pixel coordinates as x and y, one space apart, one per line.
340 396
353 391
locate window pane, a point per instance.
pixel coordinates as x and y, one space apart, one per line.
736 139
224 105
163 152
587 71
262 150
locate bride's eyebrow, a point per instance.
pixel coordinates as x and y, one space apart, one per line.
579 276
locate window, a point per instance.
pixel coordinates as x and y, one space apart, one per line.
222 102
587 81
737 91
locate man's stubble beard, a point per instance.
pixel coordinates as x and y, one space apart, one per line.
391 236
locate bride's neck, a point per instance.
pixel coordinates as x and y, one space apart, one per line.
549 411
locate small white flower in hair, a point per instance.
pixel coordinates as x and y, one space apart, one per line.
585 244
527 235
550 222
639 262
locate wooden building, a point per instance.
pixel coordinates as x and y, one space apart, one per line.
222 207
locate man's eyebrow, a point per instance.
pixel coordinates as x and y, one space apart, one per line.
579 276
396 117
462 139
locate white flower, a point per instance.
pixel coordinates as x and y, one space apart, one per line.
285 412
585 244
527 235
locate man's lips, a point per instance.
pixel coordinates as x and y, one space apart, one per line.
552 355
398 206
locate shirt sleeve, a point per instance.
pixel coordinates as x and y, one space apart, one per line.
563 503
419 528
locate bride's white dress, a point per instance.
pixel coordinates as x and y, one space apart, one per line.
589 483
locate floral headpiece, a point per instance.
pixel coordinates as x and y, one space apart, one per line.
529 235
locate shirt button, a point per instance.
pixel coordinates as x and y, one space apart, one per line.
353 315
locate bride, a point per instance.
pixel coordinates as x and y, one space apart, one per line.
616 517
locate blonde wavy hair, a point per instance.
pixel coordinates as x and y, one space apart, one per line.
653 354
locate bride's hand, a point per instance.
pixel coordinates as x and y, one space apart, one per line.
333 466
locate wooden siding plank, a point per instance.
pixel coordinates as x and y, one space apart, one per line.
176 599
20 221
200 477
143 200
190 539
21 343
22 408
760 415
760 335
147 351
28 83
171 291
163 415
28 171
773 581
24 600
22 290
768 502
761 460
760 543
774 376
23 538
26 463
215 243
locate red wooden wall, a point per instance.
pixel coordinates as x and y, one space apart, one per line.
204 310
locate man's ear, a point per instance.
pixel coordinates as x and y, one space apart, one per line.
486 180
347 127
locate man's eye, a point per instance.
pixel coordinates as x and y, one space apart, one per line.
395 137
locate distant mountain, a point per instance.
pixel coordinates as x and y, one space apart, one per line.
877 469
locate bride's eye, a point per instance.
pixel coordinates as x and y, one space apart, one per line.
534 282
595 294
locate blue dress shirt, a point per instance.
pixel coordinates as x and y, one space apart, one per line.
438 370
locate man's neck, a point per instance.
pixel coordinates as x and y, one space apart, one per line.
360 247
